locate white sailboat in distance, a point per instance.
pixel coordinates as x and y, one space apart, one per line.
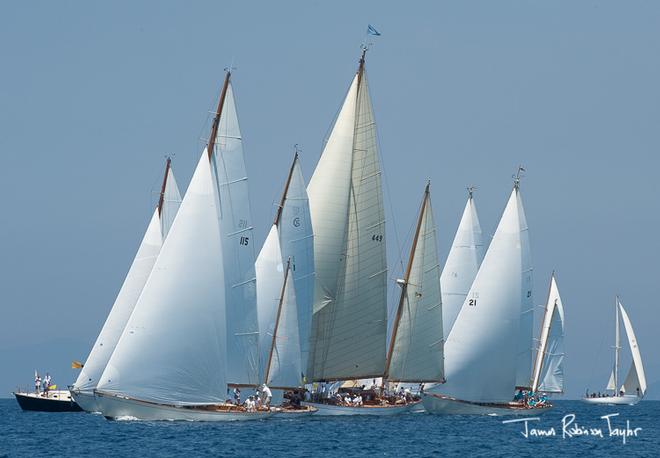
172 361
161 221
634 386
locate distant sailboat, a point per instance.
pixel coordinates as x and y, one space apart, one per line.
174 359
483 351
548 374
462 265
161 221
633 388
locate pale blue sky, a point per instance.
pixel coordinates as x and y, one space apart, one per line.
92 96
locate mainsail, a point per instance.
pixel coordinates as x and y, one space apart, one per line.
173 348
416 347
548 375
635 379
134 282
349 323
462 264
481 352
226 148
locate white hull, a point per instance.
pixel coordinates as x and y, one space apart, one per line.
86 400
120 408
442 405
332 410
614 400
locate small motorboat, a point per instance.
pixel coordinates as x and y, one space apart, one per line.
48 401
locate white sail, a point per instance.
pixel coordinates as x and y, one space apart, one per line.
270 277
173 349
481 352
237 245
349 324
638 380
610 384
284 369
549 368
461 266
526 328
417 347
297 243
132 287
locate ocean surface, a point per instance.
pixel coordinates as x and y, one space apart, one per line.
37 434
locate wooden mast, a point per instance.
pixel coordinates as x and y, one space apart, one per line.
404 286
216 120
277 321
161 200
278 215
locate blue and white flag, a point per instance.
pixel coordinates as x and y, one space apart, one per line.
372 31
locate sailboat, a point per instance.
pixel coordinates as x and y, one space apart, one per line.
173 360
483 351
284 314
415 353
349 323
634 386
548 373
82 390
462 264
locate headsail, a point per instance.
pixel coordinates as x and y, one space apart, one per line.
462 264
481 352
416 347
173 349
548 375
297 243
226 146
283 369
129 293
635 378
349 324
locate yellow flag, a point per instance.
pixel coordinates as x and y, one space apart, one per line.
52 387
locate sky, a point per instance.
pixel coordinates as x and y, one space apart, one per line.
94 95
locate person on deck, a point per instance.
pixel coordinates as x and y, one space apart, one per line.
268 395
37 383
237 396
47 380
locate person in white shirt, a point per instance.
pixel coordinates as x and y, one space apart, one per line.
37 382
267 394
46 382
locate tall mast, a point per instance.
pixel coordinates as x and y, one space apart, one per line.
617 346
404 285
161 200
286 190
216 120
277 321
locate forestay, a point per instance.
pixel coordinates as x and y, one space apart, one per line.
349 324
462 265
133 284
417 346
173 349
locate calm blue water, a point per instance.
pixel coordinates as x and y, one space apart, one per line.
37 434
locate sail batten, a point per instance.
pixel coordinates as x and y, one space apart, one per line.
349 322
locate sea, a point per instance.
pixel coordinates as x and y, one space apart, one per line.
570 429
